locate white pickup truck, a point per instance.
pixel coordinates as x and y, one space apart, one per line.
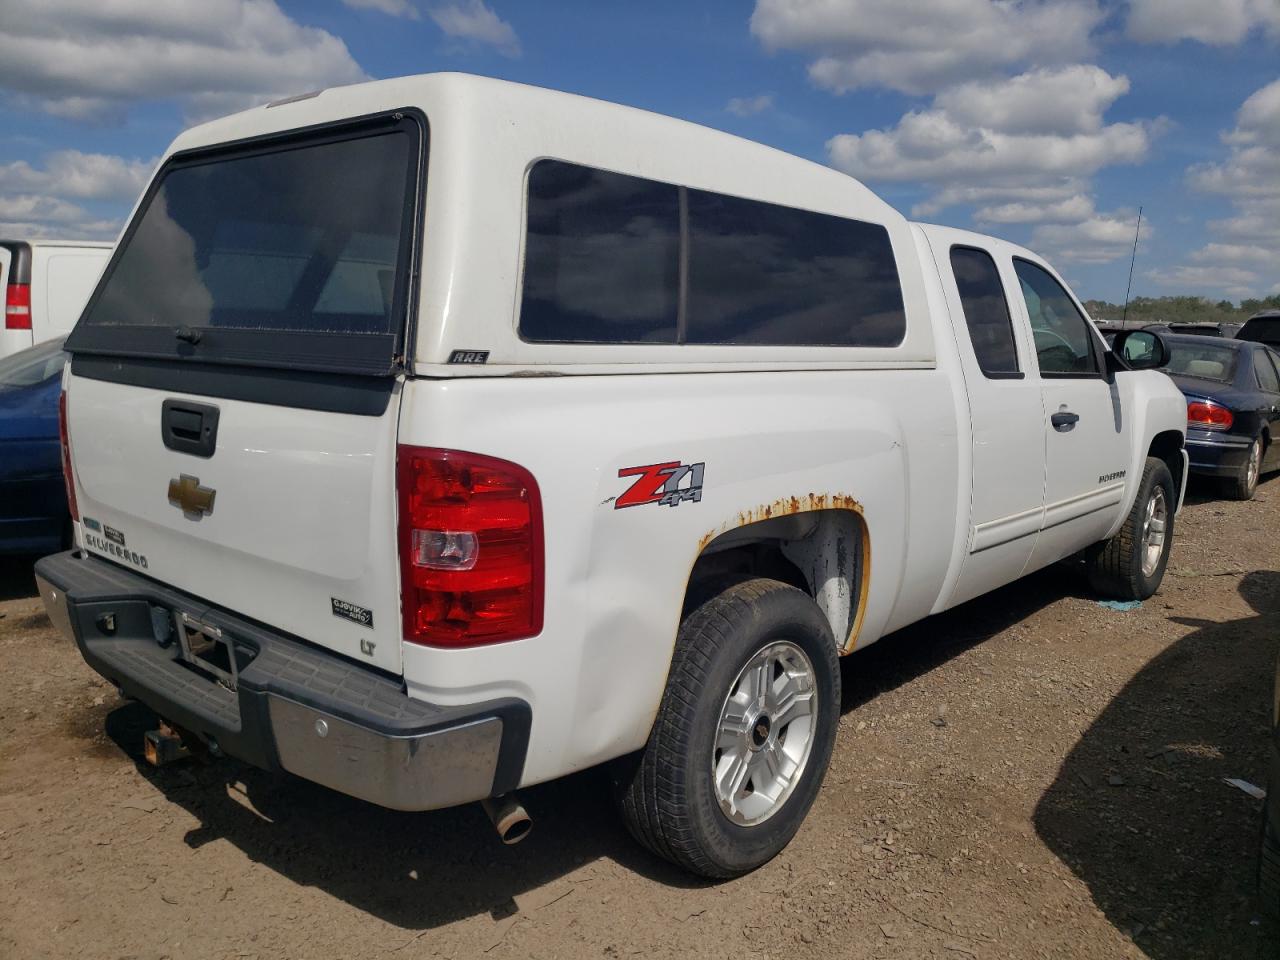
435 437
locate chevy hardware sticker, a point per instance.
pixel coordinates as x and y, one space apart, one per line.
349 611
662 483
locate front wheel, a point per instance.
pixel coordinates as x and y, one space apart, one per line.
1245 483
744 733
1131 564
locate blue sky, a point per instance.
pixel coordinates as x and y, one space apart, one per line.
1044 121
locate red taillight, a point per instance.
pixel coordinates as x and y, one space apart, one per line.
470 548
1207 415
64 438
17 307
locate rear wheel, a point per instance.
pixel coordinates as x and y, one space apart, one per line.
1131 564
744 733
1245 483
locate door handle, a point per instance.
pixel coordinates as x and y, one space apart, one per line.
1064 420
189 427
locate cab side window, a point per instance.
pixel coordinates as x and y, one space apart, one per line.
1065 345
986 312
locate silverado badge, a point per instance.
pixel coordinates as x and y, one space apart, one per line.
192 499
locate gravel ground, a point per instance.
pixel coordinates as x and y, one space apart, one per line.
1030 775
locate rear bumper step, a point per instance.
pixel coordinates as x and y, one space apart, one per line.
284 704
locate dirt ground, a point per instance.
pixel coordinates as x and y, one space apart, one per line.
1031 775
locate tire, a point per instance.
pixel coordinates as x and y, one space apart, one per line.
1121 567
1269 866
1245 483
668 793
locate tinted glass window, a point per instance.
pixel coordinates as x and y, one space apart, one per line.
986 311
760 273
302 240
35 365
1064 344
602 257
1261 330
1208 361
1267 378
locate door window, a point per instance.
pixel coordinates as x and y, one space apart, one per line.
986 311
1268 380
1064 342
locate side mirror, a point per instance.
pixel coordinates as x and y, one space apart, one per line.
1139 350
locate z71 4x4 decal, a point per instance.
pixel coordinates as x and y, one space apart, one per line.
662 483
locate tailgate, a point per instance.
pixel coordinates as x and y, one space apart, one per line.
302 531
234 389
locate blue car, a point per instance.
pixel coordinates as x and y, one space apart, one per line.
1233 408
33 499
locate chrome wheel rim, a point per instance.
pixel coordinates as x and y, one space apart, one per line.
765 734
1154 524
1255 464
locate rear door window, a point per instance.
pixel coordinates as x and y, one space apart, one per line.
986 311
294 255
1268 379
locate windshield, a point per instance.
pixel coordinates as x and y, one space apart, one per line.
35 365
1208 361
233 251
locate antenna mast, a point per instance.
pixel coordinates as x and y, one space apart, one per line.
1129 286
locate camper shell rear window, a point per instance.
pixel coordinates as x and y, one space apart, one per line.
288 252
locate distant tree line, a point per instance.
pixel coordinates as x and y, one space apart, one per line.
1180 310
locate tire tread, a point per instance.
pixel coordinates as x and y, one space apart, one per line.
653 798
1114 565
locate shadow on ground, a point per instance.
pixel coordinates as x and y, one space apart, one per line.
1139 810
415 870
17 577
426 870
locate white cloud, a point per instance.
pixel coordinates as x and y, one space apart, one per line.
472 20
1100 238
82 176
1234 282
749 106
41 209
86 59
1032 196
1241 259
1073 209
1021 150
1234 253
1217 22
48 201
393 8
952 141
920 46
1070 99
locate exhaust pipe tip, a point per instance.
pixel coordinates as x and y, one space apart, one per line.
509 817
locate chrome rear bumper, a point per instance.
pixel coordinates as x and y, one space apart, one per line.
285 704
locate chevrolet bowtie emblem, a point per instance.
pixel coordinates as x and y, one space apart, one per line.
194 500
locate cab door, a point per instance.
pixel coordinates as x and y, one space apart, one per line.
1087 434
1005 413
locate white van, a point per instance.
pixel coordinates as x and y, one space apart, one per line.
45 284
